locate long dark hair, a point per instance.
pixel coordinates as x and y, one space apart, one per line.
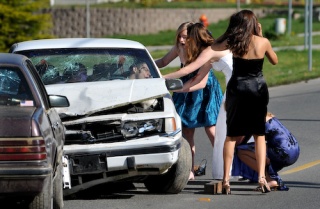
242 26
198 39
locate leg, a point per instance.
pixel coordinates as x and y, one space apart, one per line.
261 152
249 158
188 134
228 152
211 131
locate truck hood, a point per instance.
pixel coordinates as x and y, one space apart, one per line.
90 97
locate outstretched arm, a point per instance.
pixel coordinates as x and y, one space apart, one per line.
199 81
204 57
166 59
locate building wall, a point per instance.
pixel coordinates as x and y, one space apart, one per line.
83 2
71 22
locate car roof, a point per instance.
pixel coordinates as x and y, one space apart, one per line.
11 59
76 43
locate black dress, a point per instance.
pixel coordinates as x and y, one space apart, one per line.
247 98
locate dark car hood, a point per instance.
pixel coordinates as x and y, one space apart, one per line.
15 121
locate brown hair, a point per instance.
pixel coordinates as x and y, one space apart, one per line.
181 28
198 39
242 26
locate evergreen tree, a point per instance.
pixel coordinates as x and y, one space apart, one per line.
22 20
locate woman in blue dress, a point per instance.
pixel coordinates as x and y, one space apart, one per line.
197 108
282 150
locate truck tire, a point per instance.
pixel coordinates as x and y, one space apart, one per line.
44 199
175 180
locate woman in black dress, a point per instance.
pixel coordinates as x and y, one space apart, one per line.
247 94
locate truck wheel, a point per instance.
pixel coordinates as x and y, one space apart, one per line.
57 188
175 180
44 199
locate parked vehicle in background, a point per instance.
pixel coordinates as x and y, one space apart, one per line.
31 136
121 124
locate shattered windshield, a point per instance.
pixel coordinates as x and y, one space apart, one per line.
88 65
14 89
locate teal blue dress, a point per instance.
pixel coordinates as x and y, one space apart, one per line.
199 108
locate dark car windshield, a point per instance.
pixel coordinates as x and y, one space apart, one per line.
87 65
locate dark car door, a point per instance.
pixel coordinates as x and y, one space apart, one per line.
53 117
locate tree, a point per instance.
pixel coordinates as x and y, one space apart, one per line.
22 20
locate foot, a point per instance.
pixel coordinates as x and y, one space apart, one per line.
191 176
226 187
273 185
263 184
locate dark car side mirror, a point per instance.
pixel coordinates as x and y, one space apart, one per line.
58 101
174 84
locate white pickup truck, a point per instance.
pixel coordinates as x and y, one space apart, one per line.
121 123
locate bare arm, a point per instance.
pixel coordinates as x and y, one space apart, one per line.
166 59
271 55
204 57
199 81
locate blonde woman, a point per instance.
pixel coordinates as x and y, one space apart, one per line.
197 108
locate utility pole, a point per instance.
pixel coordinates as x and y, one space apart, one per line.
310 33
88 18
289 16
306 26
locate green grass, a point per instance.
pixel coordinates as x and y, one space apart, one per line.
217 29
159 39
292 67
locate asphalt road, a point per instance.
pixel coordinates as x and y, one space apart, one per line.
297 106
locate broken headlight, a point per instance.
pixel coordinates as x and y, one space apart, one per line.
142 127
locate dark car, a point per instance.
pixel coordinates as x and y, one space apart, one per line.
31 136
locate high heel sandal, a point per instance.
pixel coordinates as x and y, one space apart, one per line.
201 170
226 187
264 185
